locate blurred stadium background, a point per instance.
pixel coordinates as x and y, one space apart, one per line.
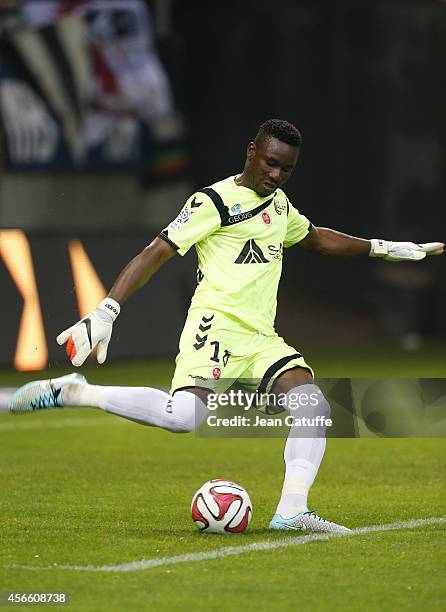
113 111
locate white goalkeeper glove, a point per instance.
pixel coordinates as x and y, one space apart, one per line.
404 251
94 329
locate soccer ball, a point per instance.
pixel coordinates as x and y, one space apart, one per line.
221 506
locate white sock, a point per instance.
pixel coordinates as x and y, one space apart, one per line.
303 455
299 474
75 394
181 413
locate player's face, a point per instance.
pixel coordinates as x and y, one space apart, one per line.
270 165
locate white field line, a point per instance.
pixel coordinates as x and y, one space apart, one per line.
59 423
144 564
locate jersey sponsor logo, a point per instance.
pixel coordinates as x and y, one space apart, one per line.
242 217
224 212
236 209
275 252
216 373
182 218
266 218
251 253
279 208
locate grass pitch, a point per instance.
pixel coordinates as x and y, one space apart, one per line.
82 488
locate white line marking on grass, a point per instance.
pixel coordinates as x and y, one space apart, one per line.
144 564
60 423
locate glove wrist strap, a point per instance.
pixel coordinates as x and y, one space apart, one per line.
379 248
111 307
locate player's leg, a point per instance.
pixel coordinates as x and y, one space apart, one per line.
302 455
182 412
284 372
304 450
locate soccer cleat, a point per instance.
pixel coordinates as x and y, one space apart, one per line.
306 521
42 394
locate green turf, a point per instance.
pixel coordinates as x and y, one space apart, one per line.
81 487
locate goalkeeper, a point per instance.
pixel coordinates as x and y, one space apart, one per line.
239 227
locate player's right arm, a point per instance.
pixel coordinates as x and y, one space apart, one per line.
96 328
140 269
197 219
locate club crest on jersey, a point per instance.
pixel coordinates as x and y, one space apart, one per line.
216 373
182 218
236 209
266 218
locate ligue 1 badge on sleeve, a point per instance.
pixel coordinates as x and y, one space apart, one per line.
236 209
182 218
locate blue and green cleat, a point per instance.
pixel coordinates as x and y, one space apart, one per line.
306 521
42 394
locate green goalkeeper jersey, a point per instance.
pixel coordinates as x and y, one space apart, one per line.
239 237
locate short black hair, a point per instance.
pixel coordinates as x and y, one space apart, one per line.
280 129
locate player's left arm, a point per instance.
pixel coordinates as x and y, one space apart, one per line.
327 241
